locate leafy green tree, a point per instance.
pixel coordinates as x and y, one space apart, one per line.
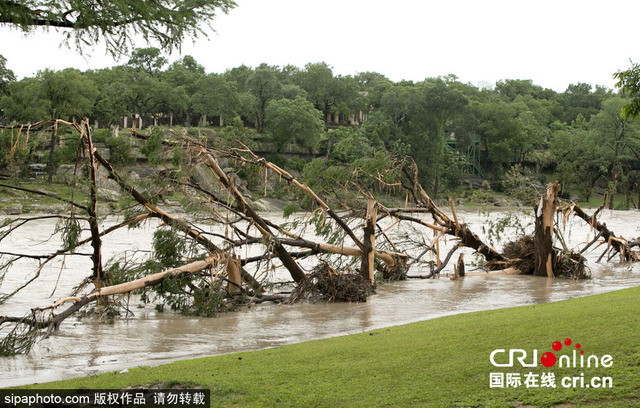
372 86
110 105
184 76
51 94
381 131
511 88
582 99
291 91
499 128
438 101
6 76
330 94
317 80
148 59
264 85
22 101
240 75
216 96
350 145
579 162
294 121
56 94
117 22
629 84
146 96
619 138
66 93
535 116
396 103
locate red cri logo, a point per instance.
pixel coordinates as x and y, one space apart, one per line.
549 359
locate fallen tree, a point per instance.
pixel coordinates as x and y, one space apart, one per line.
204 272
615 245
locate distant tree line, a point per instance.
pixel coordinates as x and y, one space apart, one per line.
448 127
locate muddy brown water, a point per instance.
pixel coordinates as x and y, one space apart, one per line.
85 346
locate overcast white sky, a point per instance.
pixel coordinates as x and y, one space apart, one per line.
553 43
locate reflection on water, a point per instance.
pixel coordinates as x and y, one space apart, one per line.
85 347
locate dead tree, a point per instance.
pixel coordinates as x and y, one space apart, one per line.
442 224
222 265
615 245
543 237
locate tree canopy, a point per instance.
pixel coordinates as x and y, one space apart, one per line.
629 83
117 22
449 128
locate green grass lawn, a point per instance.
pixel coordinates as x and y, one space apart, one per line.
596 200
441 363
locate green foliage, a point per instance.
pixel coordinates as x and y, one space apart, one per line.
521 184
68 152
318 174
6 77
153 146
577 136
148 59
312 172
294 121
14 148
499 228
121 153
21 101
208 299
100 135
289 209
214 95
629 84
375 166
297 163
133 211
70 230
191 294
349 145
480 195
329 232
52 94
168 248
122 270
117 22
278 159
177 157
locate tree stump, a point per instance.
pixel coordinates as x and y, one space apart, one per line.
543 237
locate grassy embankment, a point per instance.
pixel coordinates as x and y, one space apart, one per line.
442 362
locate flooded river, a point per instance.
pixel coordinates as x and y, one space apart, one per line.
84 346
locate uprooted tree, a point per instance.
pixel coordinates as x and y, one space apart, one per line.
331 254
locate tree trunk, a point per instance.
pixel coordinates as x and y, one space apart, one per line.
459 267
329 143
367 269
96 241
233 274
287 261
54 137
543 238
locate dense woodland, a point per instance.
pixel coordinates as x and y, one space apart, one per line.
514 134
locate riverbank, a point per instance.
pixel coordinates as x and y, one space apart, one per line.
440 362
